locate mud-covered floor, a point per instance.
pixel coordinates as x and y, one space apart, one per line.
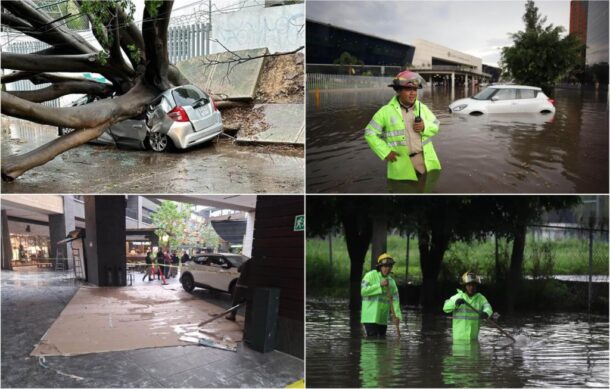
219 166
33 299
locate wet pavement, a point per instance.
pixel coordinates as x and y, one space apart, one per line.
562 153
31 301
215 167
551 350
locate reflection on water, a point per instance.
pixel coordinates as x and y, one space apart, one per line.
534 153
554 350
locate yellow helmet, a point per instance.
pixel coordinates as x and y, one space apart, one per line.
385 259
470 277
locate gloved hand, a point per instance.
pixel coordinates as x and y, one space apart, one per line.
459 302
484 315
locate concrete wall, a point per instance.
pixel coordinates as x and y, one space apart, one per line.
424 51
46 203
277 28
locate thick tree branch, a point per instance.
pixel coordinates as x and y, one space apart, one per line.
154 31
46 30
176 77
62 89
91 120
54 63
17 76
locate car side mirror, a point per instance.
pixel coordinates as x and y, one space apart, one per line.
226 266
495 98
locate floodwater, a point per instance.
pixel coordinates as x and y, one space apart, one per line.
510 153
556 350
213 167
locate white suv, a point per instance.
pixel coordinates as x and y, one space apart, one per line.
218 271
505 99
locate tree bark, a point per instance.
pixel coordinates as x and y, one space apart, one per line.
63 88
91 120
358 233
154 32
432 247
46 30
55 63
516 266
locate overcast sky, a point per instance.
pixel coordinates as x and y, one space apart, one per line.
479 28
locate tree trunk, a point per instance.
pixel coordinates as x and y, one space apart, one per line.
358 233
432 247
516 264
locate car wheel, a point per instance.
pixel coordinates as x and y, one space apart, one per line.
188 283
158 141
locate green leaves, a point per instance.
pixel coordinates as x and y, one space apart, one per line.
539 56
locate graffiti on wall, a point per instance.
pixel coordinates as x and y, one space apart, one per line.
277 28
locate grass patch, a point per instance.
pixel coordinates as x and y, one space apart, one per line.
566 256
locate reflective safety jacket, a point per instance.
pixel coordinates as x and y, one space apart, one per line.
387 132
466 322
375 301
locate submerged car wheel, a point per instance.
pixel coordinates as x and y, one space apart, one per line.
158 141
187 282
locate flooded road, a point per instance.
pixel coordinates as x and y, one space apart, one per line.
557 350
562 153
214 167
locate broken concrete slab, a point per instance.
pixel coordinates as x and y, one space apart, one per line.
282 123
128 318
230 80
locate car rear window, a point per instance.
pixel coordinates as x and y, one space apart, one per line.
527 93
186 96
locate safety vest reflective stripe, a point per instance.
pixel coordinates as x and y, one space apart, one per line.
395 133
426 141
379 299
368 131
464 317
399 143
375 125
436 122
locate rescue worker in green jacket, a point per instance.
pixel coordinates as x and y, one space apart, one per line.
466 322
400 132
378 290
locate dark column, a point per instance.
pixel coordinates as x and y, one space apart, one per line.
57 232
105 241
7 252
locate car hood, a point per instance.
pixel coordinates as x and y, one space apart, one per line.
461 101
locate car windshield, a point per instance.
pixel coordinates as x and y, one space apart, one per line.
485 94
236 260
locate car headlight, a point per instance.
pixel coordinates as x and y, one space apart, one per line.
459 107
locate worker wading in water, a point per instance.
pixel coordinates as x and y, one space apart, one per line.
466 322
400 132
376 313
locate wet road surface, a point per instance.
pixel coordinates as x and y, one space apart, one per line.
510 153
214 167
552 350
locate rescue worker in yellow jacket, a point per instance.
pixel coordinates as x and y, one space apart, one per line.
379 290
400 132
466 322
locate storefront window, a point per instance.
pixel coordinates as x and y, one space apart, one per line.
29 249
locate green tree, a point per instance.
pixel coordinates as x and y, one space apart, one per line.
540 56
171 220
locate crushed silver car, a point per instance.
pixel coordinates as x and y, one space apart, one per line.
180 117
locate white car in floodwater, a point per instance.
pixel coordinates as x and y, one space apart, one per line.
505 99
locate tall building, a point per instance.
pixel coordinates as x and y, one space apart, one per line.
578 19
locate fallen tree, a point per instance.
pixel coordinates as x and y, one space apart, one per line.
134 61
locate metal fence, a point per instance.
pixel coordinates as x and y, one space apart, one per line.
354 70
26 47
188 41
341 81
